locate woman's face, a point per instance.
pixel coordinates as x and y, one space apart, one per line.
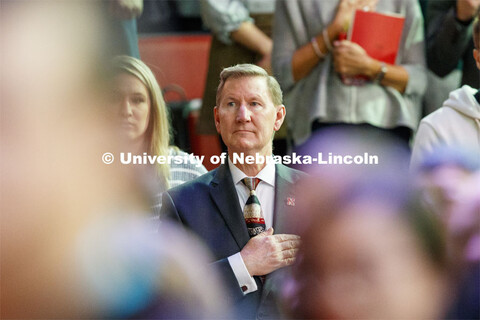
132 102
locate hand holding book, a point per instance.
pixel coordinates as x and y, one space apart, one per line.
308 56
350 59
379 35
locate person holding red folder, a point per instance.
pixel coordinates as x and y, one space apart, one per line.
310 62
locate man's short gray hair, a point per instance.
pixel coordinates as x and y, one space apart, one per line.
250 70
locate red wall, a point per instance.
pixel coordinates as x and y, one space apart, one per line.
183 60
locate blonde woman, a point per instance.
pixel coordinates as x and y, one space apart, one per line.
144 123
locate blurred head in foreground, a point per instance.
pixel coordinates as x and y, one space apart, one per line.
53 136
442 175
72 245
368 249
449 184
135 274
364 256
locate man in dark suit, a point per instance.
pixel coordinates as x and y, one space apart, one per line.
236 223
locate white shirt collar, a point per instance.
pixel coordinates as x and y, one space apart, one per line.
267 174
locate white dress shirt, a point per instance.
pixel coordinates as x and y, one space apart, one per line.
265 192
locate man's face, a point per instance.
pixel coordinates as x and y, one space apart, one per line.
246 117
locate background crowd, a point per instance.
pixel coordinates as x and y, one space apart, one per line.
82 239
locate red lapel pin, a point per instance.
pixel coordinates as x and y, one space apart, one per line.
291 201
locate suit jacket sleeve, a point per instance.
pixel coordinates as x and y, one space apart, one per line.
170 212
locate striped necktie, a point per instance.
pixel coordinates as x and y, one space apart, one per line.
252 210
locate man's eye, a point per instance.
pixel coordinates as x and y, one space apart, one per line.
231 104
255 104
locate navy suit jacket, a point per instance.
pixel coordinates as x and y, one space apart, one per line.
209 207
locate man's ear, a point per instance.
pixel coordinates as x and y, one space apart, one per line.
217 119
279 117
476 56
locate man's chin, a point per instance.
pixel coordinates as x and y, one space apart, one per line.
241 146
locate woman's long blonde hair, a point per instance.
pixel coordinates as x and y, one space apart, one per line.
157 135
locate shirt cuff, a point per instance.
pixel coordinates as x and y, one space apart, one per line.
245 281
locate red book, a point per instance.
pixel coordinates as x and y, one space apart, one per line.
378 33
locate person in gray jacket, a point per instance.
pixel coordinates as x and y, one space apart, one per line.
308 62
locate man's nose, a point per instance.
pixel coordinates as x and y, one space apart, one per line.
243 113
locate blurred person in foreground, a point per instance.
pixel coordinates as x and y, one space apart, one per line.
368 249
442 175
464 231
448 181
144 126
309 62
456 123
237 207
74 242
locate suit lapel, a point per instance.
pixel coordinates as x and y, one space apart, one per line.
284 198
284 206
224 195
